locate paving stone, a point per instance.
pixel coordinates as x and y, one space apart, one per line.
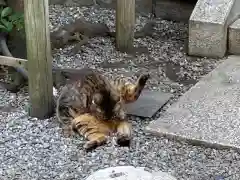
208 114
148 103
128 173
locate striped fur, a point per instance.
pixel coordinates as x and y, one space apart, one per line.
96 130
91 118
129 92
91 93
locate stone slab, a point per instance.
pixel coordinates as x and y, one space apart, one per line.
234 37
209 113
128 173
148 103
208 27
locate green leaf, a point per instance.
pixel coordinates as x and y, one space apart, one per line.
3 28
16 17
19 26
4 22
9 27
1 9
6 12
13 17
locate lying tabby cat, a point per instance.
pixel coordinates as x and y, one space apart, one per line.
95 99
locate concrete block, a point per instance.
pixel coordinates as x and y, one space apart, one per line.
234 37
208 27
208 114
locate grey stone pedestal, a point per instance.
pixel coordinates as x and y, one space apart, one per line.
128 173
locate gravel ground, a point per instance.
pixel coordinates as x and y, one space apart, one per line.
35 149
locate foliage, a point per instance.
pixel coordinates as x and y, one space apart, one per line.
10 19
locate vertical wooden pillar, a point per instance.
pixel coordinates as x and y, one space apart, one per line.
125 25
39 58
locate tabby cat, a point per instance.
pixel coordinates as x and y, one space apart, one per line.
93 100
92 93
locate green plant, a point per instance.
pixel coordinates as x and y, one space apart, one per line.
10 19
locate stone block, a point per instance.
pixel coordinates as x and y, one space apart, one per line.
234 37
208 27
208 114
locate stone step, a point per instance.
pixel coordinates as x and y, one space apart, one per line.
209 113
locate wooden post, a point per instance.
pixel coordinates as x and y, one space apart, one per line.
125 25
39 58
